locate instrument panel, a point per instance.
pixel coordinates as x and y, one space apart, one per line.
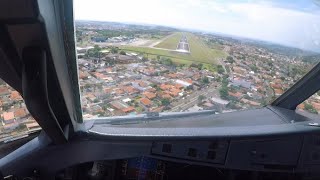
203 151
279 154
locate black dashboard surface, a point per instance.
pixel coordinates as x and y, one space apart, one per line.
258 122
263 116
267 139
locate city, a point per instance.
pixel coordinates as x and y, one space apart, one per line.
129 70
14 116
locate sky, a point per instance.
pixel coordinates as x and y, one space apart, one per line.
293 23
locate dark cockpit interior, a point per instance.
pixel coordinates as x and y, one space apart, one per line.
38 59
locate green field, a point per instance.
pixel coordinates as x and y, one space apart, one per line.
200 52
161 52
171 41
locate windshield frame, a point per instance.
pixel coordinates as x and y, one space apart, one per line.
301 90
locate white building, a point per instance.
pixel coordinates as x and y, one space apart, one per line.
183 83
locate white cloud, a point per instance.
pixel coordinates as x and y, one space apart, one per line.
262 20
286 26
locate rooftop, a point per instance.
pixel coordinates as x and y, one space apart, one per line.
184 83
149 95
219 101
145 101
241 82
119 105
8 116
4 90
236 94
21 112
15 95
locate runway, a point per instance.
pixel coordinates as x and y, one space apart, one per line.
183 45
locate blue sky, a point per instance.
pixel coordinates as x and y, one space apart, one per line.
290 22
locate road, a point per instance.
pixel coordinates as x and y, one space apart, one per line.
189 101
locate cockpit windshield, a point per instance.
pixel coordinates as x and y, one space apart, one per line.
138 57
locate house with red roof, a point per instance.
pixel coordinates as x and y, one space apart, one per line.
146 102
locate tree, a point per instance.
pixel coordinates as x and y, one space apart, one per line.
224 92
246 96
105 107
220 69
218 79
95 52
233 105
308 107
123 53
189 87
227 68
205 80
114 50
193 65
96 100
144 58
254 68
158 57
230 59
201 98
200 65
225 81
5 107
165 102
154 86
264 102
166 61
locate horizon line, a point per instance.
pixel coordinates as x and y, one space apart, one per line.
204 31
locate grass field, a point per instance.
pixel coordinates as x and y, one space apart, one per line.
200 52
175 60
161 52
170 42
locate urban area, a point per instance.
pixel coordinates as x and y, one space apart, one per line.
134 69
15 119
130 69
